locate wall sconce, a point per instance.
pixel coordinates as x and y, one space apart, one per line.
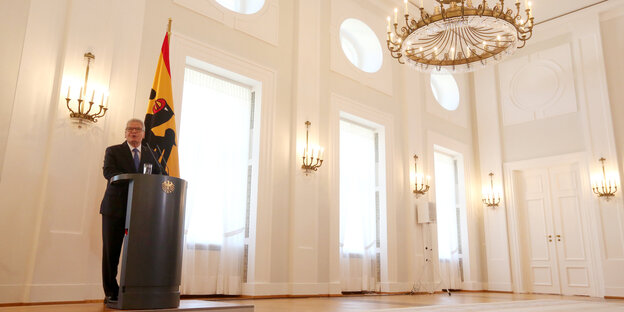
602 186
491 198
420 186
83 114
312 157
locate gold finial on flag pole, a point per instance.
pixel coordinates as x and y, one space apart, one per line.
169 28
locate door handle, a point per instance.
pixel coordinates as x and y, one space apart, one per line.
558 237
549 238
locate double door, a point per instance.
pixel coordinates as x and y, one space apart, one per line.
554 253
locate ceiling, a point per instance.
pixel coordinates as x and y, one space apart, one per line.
543 10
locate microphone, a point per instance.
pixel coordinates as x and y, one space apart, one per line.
166 167
154 157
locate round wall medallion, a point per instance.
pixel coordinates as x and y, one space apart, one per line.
537 85
168 187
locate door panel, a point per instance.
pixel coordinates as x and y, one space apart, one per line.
567 217
534 215
570 229
542 275
538 231
577 276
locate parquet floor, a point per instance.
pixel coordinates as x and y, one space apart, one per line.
332 304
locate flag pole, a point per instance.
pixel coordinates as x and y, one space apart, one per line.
169 30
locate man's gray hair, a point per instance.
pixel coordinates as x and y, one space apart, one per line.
136 120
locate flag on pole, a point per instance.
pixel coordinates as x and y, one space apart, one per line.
160 127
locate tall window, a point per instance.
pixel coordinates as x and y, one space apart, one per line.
449 205
215 158
359 207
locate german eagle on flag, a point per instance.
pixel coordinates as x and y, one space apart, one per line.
160 127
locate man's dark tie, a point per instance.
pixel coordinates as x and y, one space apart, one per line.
136 159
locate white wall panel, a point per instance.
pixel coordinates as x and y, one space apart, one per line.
304 215
25 164
495 219
263 24
15 14
537 86
74 183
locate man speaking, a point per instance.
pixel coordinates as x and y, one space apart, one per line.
127 157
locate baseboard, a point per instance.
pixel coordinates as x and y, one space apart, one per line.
11 293
613 297
396 287
309 288
614 292
335 288
503 287
291 289
43 293
65 292
425 287
271 290
499 291
472 286
265 289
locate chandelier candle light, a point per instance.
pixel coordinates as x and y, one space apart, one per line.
458 36
312 156
83 114
604 187
491 198
420 185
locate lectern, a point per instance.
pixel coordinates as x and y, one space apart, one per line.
151 265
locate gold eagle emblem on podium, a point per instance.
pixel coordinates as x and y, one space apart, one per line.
168 187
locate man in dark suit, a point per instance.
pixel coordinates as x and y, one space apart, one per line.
127 157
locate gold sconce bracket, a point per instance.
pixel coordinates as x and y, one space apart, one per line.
491 198
420 185
604 188
82 114
312 158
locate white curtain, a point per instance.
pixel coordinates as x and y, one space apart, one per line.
446 205
214 157
358 259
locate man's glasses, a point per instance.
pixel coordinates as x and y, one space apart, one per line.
134 129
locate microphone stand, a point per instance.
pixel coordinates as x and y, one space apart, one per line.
166 167
156 159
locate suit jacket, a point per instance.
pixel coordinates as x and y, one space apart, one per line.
117 160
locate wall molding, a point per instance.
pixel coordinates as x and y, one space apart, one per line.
261 217
340 105
587 211
267 16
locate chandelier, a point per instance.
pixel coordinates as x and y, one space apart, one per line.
604 187
83 113
459 37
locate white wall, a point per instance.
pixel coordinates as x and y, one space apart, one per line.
50 176
15 15
551 99
611 25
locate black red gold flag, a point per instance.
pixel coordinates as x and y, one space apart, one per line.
160 127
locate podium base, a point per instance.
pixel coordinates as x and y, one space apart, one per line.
199 305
